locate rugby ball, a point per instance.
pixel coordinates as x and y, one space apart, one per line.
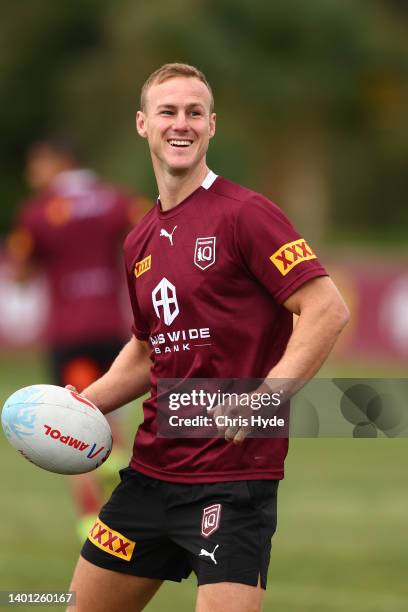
57 429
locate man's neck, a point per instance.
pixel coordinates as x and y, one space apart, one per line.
174 188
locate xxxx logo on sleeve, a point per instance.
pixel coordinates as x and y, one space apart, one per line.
143 266
111 541
291 254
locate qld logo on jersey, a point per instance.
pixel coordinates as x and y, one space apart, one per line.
291 254
204 254
164 300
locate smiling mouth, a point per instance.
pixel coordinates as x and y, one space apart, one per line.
180 143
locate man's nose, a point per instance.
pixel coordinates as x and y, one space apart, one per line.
180 121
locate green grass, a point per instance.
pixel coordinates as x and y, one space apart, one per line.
342 539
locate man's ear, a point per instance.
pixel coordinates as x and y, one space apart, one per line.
213 118
141 124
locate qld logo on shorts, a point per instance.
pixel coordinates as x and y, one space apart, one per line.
210 520
204 254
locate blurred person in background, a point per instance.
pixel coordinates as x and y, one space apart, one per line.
72 231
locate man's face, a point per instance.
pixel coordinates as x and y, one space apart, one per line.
177 122
42 166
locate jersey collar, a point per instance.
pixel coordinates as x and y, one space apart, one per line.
209 179
206 184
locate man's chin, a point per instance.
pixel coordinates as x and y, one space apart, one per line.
179 170
177 166
180 167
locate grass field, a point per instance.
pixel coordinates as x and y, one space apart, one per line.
342 540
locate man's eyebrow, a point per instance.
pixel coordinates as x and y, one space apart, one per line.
190 105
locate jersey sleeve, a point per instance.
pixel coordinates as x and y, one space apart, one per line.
140 328
272 251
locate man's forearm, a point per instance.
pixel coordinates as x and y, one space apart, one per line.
127 378
309 346
313 338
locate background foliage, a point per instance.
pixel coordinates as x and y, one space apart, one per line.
311 96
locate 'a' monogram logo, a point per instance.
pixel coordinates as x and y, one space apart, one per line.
111 541
291 254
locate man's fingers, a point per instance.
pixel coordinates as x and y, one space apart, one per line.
71 388
230 433
241 435
217 412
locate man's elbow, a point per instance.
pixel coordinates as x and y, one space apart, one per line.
339 314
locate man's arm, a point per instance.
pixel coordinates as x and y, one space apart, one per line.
127 378
322 316
19 248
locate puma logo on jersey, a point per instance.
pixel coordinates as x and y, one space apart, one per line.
166 234
205 553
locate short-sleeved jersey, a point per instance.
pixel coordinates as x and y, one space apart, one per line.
74 232
207 282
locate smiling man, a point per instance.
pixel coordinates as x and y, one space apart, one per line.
215 273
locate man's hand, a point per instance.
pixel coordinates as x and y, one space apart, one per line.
233 421
127 378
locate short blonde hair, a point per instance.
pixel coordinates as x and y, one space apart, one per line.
169 71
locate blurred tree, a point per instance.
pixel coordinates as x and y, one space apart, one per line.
311 96
40 41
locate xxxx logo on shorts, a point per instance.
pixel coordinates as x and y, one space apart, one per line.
111 541
210 520
143 266
291 254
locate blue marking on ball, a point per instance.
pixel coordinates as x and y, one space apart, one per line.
19 413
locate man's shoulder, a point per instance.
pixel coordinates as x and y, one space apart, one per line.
118 195
237 197
232 191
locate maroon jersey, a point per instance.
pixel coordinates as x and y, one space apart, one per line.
75 232
207 280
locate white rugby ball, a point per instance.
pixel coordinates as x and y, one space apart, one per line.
57 429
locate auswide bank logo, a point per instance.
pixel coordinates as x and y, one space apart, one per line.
291 254
164 298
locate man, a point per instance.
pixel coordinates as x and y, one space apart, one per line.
72 230
242 289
